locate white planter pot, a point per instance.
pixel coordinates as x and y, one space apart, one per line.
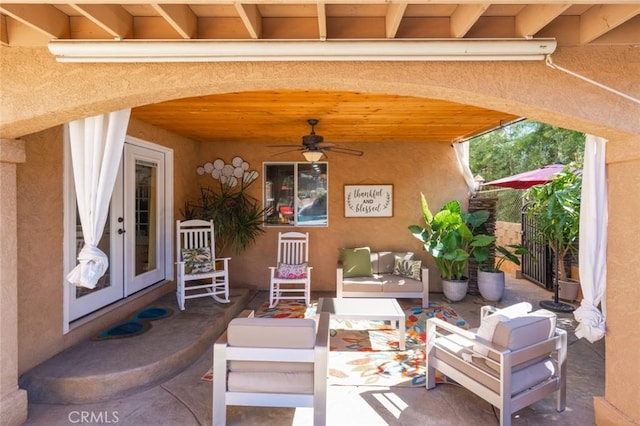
491 285
455 290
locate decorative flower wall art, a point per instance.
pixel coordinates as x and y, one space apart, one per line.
229 174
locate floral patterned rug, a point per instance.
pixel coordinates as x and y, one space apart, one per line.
364 353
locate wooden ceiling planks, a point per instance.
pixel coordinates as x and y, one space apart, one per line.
269 116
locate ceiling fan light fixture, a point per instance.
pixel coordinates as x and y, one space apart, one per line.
312 156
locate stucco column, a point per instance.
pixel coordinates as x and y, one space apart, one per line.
13 401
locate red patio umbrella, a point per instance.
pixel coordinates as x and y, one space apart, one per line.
528 179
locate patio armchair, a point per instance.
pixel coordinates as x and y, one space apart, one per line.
512 360
272 362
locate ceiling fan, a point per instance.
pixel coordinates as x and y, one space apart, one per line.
314 148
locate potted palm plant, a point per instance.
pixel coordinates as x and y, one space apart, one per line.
236 215
555 207
491 280
449 238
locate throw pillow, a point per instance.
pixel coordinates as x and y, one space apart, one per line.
356 262
292 272
407 268
197 260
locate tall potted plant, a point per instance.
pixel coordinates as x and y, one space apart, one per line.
449 238
555 208
491 280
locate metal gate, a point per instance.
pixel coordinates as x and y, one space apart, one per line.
536 266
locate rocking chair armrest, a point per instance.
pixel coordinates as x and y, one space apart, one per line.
221 258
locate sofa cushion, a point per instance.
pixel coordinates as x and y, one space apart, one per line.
366 284
356 262
407 268
399 284
385 261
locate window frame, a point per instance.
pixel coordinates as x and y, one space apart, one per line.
296 207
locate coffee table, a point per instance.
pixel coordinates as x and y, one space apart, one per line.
360 308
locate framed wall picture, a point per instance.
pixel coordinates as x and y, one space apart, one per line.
368 200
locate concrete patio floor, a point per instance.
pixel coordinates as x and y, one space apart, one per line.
185 399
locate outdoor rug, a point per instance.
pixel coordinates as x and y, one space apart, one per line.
364 352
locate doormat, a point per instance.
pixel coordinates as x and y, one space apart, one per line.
364 352
139 324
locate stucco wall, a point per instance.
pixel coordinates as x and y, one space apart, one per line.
40 236
623 278
409 167
39 93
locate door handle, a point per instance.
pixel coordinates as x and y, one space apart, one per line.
121 231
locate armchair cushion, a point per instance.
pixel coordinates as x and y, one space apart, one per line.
282 382
291 333
197 260
489 323
292 272
523 331
356 262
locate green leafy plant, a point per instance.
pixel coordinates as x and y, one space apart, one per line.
510 253
451 237
237 216
555 208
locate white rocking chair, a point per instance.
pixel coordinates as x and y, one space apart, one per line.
291 277
196 261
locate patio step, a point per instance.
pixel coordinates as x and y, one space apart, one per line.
95 371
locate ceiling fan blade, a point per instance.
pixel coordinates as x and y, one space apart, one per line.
323 145
284 146
341 150
289 150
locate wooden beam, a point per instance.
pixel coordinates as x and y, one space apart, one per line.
395 13
4 35
464 17
322 21
43 18
533 18
601 19
251 18
180 17
112 18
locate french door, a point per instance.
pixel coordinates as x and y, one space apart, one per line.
135 236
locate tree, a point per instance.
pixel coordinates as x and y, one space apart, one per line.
523 146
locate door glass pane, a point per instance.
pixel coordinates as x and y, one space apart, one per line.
105 246
145 215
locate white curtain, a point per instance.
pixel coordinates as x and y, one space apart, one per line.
593 241
96 148
462 154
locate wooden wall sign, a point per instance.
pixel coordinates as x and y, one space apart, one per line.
368 200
